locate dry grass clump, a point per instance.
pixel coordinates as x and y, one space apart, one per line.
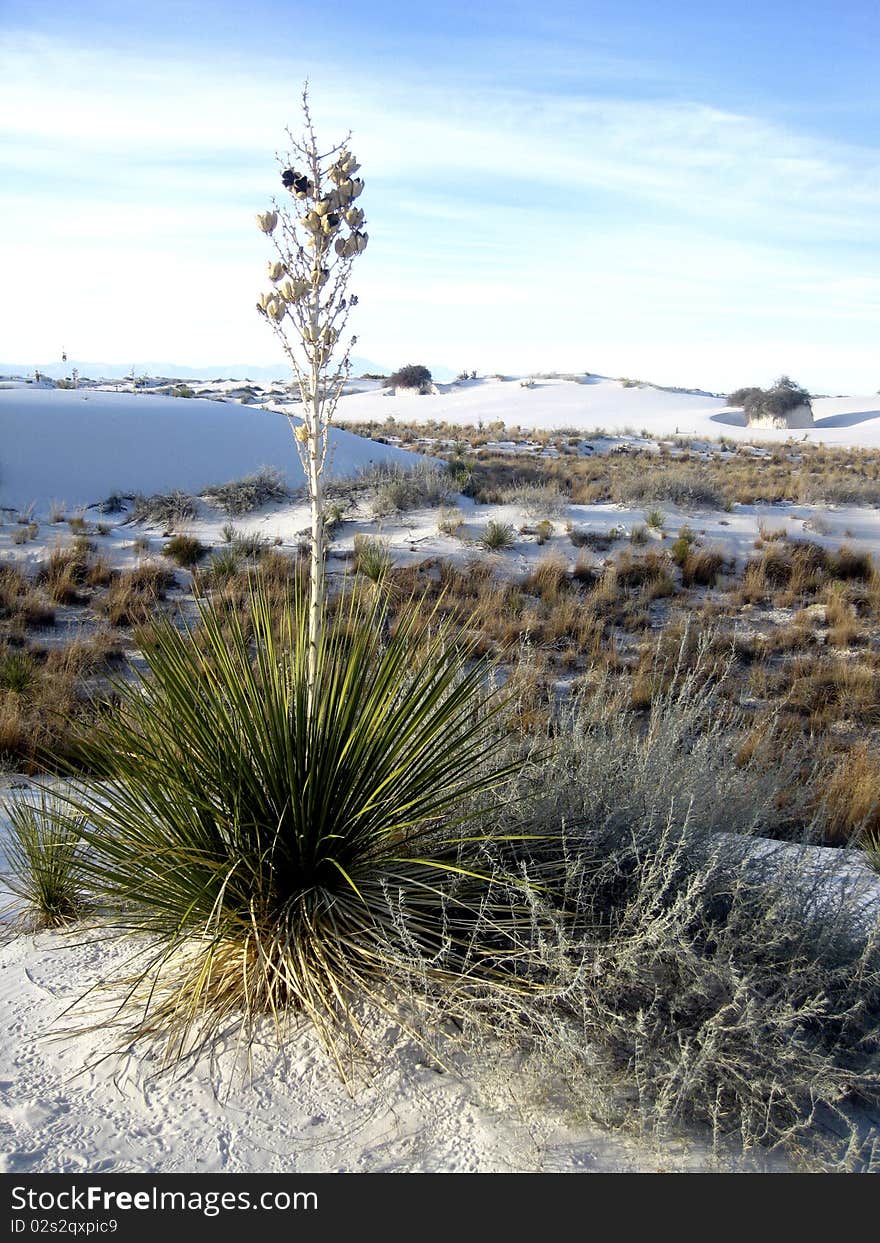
133 596
63 575
702 567
538 500
682 486
548 577
850 796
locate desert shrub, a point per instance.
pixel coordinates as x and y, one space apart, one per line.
497 536
655 519
243 496
44 852
722 979
396 490
741 396
783 396
182 390
169 509
281 861
413 375
185 550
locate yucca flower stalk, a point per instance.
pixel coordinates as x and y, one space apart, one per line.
284 845
316 239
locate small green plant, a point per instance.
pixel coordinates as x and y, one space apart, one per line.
497 536
655 519
185 550
544 530
18 672
372 557
681 545
182 390
44 853
225 564
638 535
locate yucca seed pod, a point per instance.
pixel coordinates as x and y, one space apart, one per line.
276 269
312 222
264 299
341 243
297 183
357 187
277 309
267 220
354 217
302 433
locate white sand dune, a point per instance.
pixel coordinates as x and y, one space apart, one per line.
80 445
596 402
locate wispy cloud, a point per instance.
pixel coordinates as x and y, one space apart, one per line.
505 221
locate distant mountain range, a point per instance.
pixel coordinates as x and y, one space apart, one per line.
176 371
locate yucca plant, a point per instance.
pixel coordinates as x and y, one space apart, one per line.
279 859
44 856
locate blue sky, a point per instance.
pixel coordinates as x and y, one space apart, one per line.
678 192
